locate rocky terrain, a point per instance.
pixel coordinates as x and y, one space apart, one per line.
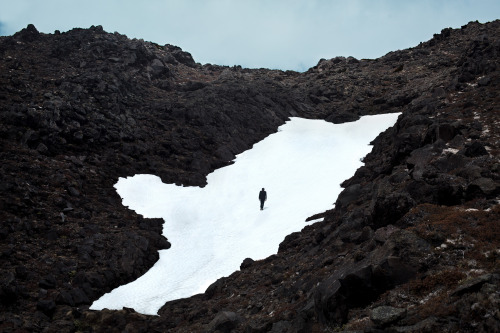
411 246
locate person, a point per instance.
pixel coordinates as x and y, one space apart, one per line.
262 198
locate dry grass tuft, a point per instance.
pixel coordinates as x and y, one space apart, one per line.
476 233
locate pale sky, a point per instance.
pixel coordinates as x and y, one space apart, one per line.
277 34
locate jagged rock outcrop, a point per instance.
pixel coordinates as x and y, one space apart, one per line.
412 244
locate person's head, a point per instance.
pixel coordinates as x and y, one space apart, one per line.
262 189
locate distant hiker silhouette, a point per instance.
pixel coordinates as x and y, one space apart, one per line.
262 198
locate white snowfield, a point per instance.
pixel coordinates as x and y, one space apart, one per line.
213 229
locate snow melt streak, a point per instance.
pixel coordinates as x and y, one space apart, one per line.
212 229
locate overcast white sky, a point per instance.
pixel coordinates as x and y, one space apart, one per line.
282 34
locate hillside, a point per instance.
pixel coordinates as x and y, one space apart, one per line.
411 246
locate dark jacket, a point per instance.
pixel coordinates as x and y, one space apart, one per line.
262 195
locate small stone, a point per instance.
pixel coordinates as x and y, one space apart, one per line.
384 315
48 282
78 135
225 321
41 148
484 81
65 297
79 296
73 191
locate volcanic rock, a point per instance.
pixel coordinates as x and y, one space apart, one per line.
225 322
415 227
384 315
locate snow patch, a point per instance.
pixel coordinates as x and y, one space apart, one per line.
213 229
450 150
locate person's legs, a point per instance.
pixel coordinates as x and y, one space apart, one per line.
261 204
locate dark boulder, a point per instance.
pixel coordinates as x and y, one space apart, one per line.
475 284
48 282
482 187
248 262
215 288
46 306
79 296
9 290
158 69
64 298
180 55
224 322
349 195
390 208
475 149
329 302
446 132
341 117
